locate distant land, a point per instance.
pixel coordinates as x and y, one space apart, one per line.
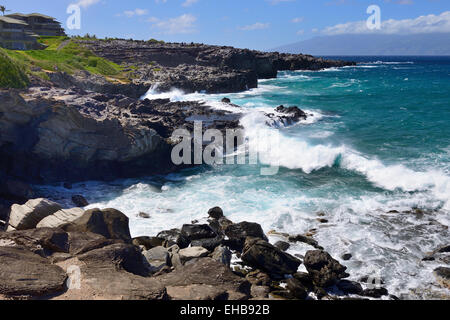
435 44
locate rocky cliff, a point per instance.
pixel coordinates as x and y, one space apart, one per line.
85 126
199 67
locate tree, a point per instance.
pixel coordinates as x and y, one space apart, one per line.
3 9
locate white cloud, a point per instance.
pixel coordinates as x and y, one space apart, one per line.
297 20
182 24
87 3
255 26
135 12
189 3
423 24
300 32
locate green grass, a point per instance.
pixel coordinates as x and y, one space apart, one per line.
12 75
70 58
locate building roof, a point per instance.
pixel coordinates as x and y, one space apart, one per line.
41 16
9 20
31 15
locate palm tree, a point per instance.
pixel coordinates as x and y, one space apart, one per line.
3 9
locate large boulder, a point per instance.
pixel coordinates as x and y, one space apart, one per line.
82 242
223 255
196 292
27 216
215 213
148 242
260 254
238 232
44 241
110 223
207 272
157 258
23 273
296 288
173 237
208 243
60 218
197 231
192 253
442 274
79 201
325 270
120 255
114 272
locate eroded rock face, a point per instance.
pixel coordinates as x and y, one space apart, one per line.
197 67
262 255
50 134
27 216
325 270
23 273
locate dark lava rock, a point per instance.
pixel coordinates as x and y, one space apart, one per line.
144 215
305 239
305 279
324 270
42 241
346 256
110 223
215 213
207 271
296 288
122 255
148 242
443 276
23 273
226 100
295 114
261 255
209 243
349 287
238 232
375 293
79 201
197 231
282 245
174 236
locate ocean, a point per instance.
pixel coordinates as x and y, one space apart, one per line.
373 159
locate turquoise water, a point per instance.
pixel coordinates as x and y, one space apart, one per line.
378 140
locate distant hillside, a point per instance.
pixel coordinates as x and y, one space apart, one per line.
363 45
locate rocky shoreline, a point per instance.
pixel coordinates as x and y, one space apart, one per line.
77 254
53 253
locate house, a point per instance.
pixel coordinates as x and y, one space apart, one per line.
20 31
14 35
40 24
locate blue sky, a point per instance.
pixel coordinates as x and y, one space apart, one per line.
255 24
